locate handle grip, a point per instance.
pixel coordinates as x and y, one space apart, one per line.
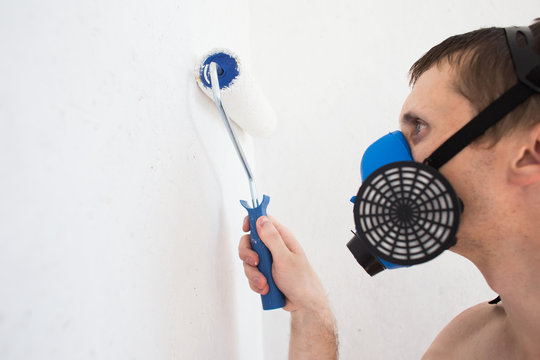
274 299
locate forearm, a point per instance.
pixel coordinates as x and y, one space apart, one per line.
313 335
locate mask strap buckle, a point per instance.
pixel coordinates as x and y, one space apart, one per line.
526 60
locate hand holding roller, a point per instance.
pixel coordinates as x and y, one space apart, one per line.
224 65
274 299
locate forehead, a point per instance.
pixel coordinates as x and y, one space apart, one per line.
436 100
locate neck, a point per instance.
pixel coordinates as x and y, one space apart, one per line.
514 273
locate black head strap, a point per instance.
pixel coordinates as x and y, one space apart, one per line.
526 60
527 65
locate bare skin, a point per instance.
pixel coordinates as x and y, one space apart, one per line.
499 232
313 334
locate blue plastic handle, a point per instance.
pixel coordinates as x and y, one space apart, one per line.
274 299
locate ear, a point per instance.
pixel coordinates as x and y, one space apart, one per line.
526 165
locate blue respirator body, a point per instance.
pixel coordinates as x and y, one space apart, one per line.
407 212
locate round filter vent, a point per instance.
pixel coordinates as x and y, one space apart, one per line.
407 213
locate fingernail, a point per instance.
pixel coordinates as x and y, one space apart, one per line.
251 262
264 220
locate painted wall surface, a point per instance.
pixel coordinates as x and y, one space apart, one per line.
336 73
119 187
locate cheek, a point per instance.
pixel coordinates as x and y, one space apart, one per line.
472 180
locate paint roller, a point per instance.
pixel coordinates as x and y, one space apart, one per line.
222 77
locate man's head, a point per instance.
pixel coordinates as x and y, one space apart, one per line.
498 176
407 210
483 71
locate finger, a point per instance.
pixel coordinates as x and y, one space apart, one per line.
271 237
262 291
256 279
246 253
246 226
287 236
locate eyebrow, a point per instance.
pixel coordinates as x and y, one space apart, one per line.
409 117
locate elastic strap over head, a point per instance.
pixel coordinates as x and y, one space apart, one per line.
527 65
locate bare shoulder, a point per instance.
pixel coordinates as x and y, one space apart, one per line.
467 333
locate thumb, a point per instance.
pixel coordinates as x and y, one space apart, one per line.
287 236
271 237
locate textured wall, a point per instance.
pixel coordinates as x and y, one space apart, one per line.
336 75
119 188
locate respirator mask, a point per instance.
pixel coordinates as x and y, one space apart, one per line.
406 212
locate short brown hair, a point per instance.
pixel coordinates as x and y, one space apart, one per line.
484 71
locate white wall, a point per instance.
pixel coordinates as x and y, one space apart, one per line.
119 188
336 73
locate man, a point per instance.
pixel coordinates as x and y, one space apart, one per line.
497 177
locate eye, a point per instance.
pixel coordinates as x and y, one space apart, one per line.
414 127
418 127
